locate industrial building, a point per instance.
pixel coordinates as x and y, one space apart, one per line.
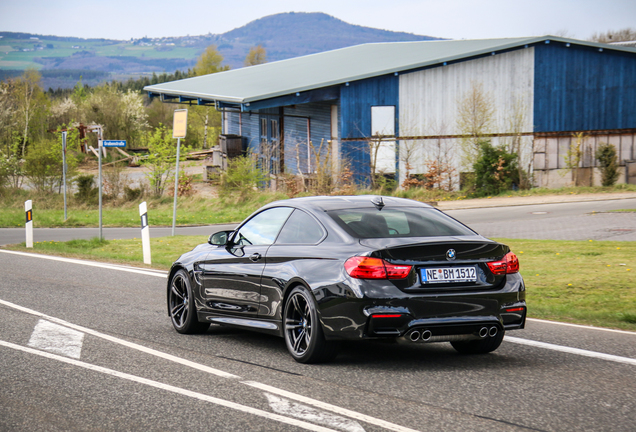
405 98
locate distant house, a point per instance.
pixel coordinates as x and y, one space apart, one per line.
407 96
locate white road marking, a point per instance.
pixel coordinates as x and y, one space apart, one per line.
583 326
292 409
57 339
123 342
570 350
207 369
329 407
173 389
149 272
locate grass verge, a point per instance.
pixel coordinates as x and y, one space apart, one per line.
48 211
586 282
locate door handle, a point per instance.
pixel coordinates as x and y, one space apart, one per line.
255 257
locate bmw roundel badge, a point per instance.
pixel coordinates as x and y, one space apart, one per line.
450 254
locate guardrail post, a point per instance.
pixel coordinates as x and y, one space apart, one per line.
145 232
28 208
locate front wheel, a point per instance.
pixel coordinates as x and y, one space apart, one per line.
482 346
304 336
183 313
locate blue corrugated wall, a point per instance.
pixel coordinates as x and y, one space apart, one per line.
356 101
295 131
579 88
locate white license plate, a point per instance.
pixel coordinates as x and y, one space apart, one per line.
448 274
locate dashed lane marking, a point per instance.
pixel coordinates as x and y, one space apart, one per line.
57 339
293 409
169 357
173 389
123 342
328 407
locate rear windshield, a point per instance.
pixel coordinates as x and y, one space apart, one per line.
399 222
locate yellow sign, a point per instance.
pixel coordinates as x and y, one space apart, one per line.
180 123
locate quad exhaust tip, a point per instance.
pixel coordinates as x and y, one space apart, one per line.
423 336
483 332
493 331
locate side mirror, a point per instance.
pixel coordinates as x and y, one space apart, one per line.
220 238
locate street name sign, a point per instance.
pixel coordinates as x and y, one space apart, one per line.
114 143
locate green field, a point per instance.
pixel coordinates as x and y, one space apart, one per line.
13 56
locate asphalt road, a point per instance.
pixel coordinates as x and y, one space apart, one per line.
86 348
563 221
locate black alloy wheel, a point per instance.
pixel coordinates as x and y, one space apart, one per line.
303 333
181 305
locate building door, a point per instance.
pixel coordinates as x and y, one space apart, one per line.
270 148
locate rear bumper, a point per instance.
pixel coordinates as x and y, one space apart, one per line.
392 313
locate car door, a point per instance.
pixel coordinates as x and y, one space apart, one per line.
231 274
294 254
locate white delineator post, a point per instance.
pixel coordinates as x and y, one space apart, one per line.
145 232
28 209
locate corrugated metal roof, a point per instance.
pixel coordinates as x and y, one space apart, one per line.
340 66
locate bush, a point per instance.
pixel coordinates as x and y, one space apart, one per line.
242 176
86 193
495 170
606 156
133 194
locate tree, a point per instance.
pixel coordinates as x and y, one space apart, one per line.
256 56
475 118
209 63
623 35
31 102
162 157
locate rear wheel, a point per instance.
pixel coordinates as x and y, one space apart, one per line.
183 313
304 336
482 346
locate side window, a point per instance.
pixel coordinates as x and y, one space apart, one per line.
300 228
263 228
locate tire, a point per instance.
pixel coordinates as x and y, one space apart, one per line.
303 332
181 306
482 346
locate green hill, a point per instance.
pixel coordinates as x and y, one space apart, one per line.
284 35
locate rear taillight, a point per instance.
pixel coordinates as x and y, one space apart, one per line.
375 268
509 264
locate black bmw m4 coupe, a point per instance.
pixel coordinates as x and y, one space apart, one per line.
320 270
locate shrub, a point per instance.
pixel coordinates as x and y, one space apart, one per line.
606 156
133 194
242 175
86 193
495 170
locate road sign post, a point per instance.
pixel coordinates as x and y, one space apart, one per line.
99 131
179 128
64 170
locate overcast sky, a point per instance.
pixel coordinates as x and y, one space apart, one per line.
455 19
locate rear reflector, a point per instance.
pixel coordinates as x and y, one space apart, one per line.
375 268
519 309
387 316
509 264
